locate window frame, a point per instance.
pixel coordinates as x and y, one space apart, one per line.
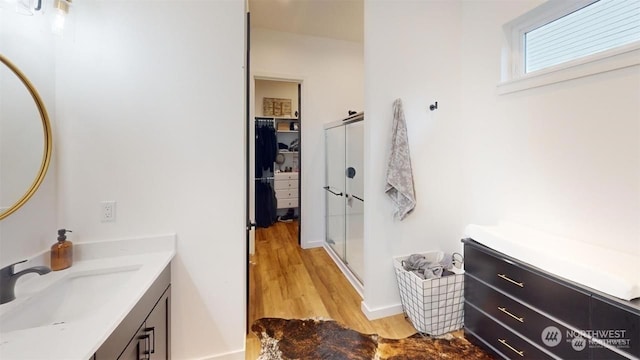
513 76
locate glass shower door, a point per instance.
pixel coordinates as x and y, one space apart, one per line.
354 193
335 190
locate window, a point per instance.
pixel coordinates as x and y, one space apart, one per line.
600 26
587 36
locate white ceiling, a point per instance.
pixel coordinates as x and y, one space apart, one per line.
336 19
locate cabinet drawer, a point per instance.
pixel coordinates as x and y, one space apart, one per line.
287 194
601 353
502 339
287 203
616 324
286 176
285 184
524 320
537 290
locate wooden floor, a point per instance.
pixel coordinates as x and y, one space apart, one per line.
288 282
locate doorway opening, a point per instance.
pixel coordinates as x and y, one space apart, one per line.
275 159
288 42
274 168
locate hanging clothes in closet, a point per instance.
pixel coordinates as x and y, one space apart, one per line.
266 146
266 209
266 149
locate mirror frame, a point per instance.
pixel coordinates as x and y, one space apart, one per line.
46 126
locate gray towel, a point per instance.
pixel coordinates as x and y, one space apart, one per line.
400 186
420 266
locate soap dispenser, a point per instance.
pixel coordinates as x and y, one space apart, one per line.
61 252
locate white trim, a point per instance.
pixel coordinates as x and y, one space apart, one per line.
379 313
513 75
345 270
262 75
516 29
595 64
312 244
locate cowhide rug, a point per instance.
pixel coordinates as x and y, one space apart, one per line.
283 339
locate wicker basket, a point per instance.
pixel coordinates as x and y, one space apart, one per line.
434 306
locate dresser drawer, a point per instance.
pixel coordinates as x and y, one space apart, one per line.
616 324
287 203
537 290
285 184
286 176
510 345
287 194
528 322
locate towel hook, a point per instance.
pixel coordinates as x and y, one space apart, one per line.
433 106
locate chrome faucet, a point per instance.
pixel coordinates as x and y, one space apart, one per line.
8 279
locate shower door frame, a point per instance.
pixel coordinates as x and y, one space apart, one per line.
343 264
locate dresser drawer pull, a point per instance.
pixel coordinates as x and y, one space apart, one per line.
504 310
505 277
504 342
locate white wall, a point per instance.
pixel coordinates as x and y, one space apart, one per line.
566 156
27 42
149 98
411 53
563 158
332 83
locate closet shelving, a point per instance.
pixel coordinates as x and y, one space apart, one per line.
284 133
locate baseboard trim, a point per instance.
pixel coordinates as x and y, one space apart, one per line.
379 313
313 244
233 355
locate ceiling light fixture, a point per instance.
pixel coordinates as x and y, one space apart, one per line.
61 10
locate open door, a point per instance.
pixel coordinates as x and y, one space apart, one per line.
300 164
248 171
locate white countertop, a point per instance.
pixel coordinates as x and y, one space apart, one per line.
80 338
610 271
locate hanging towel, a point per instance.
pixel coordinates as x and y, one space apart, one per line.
399 174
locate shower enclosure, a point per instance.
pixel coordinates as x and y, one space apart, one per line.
344 195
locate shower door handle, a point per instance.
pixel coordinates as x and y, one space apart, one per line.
331 191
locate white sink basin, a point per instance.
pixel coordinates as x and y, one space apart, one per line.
74 297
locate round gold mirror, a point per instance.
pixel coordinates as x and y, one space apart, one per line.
25 139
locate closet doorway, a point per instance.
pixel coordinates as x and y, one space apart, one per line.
295 43
276 156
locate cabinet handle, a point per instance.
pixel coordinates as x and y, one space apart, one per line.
152 348
505 277
145 353
504 310
504 342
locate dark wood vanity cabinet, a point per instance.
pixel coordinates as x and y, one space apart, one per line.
145 332
517 311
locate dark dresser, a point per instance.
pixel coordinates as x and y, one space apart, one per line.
517 311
